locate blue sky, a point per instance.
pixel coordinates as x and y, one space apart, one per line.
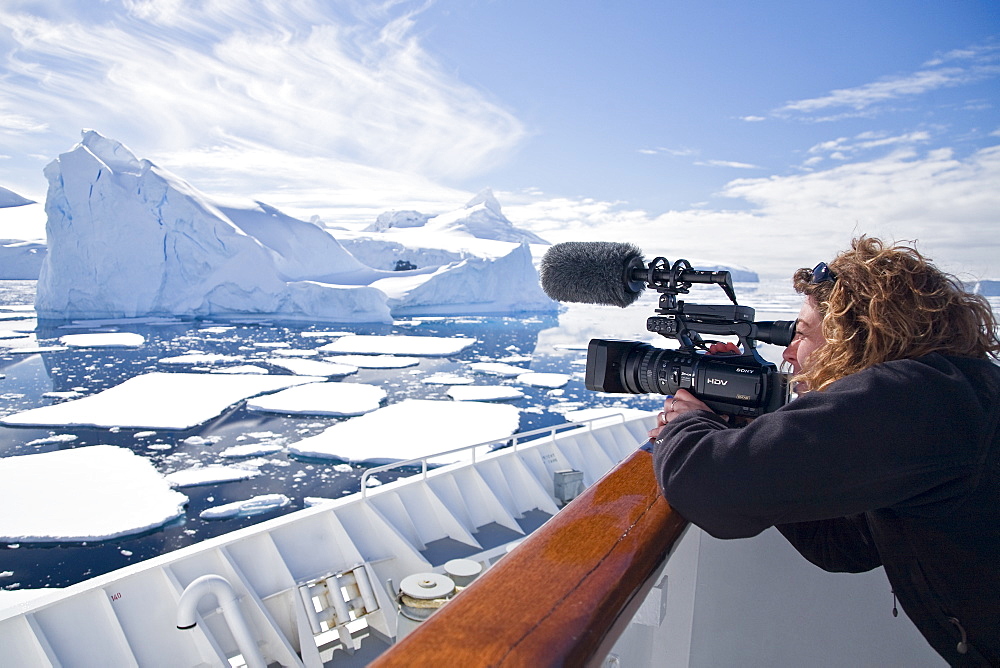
765 134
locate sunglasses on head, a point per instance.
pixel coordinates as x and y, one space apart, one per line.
822 273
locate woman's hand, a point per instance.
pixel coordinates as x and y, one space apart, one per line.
675 406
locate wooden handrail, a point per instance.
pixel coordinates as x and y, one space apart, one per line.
555 599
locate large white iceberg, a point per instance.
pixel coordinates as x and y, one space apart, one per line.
129 239
21 251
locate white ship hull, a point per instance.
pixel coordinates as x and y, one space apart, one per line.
318 587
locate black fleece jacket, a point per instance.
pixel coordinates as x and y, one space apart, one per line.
897 465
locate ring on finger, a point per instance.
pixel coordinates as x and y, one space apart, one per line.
672 402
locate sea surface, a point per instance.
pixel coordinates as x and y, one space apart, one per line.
542 342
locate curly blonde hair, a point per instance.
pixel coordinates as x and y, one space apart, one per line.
888 303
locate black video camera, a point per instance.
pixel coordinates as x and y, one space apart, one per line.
741 384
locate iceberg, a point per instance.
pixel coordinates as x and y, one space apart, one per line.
22 249
128 239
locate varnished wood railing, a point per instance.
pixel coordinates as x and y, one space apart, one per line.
562 597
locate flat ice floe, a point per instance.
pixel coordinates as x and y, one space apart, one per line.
97 492
103 340
422 346
484 393
377 361
157 401
252 506
497 369
199 358
313 367
550 380
209 475
410 429
446 379
336 399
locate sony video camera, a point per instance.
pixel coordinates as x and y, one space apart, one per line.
741 384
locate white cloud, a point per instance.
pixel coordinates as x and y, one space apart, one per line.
726 163
843 147
966 66
935 198
303 77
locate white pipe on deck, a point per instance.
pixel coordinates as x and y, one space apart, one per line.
225 595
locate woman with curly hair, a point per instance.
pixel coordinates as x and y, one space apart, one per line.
890 454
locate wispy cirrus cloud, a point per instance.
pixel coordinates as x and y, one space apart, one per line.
346 80
956 68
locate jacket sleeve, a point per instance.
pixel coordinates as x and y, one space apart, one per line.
839 545
898 435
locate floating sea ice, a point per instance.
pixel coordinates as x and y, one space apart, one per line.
377 361
251 450
424 427
55 438
242 368
96 492
200 358
208 475
294 352
336 399
446 379
61 395
321 335
497 369
253 506
422 346
14 348
552 380
108 340
485 393
157 401
313 367
195 441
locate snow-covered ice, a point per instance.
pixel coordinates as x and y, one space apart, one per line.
251 450
157 401
334 399
103 340
199 358
497 369
447 379
377 361
304 367
83 494
423 346
209 475
410 429
551 380
252 506
484 393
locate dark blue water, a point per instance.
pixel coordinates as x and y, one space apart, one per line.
88 371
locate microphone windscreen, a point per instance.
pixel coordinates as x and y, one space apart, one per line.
591 272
